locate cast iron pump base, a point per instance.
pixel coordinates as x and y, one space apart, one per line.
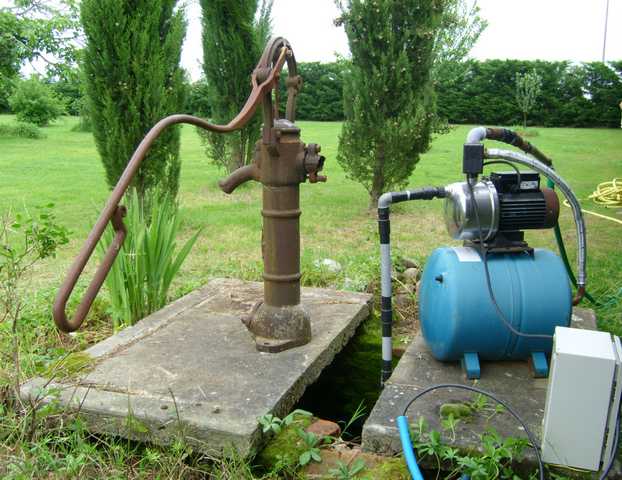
276 329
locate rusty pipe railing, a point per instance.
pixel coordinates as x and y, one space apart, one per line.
265 77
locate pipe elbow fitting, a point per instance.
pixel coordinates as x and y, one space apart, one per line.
385 200
476 135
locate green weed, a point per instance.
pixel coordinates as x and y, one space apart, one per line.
140 278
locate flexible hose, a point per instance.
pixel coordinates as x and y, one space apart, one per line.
608 194
599 215
572 199
561 247
407 448
402 423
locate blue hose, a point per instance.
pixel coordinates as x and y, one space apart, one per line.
407 447
409 453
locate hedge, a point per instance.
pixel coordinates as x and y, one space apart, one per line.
573 95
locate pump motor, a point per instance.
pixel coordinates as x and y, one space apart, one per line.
507 203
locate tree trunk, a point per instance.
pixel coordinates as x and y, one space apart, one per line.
237 156
378 181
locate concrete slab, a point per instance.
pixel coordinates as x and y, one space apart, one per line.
417 369
192 369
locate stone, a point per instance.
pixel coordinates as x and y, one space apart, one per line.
411 275
332 266
408 263
417 370
192 369
325 428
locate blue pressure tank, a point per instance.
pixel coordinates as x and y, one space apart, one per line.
457 314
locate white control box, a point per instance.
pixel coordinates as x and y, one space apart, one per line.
582 399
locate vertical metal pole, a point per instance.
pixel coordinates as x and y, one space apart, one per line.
605 34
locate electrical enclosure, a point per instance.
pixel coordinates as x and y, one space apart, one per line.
582 399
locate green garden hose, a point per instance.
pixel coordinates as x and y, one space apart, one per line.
562 252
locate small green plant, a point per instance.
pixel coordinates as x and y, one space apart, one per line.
359 413
344 471
21 130
494 461
25 240
35 102
141 276
312 451
274 424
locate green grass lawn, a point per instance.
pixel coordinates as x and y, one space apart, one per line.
65 169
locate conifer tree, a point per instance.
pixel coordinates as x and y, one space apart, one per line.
133 79
388 95
232 44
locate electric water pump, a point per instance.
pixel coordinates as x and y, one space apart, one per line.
495 297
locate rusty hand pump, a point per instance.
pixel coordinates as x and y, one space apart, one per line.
281 163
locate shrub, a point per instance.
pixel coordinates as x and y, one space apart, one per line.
84 122
35 102
22 130
141 276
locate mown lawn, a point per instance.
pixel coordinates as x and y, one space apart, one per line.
65 169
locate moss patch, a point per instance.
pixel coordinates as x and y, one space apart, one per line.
70 366
285 447
457 410
351 379
392 469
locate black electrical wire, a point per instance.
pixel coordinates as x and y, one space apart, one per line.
614 450
509 164
530 435
483 251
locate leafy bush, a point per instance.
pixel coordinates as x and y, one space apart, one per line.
85 123
21 129
141 276
35 102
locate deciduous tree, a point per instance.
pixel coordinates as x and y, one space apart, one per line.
528 88
36 30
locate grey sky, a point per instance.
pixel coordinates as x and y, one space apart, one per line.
521 29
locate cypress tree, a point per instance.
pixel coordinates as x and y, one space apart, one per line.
232 44
133 79
388 96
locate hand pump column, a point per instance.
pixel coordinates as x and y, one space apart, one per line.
282 162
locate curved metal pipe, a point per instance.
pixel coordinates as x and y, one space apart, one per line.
479 134
572 199
264 79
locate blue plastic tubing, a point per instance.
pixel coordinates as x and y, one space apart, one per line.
407 447
409 453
